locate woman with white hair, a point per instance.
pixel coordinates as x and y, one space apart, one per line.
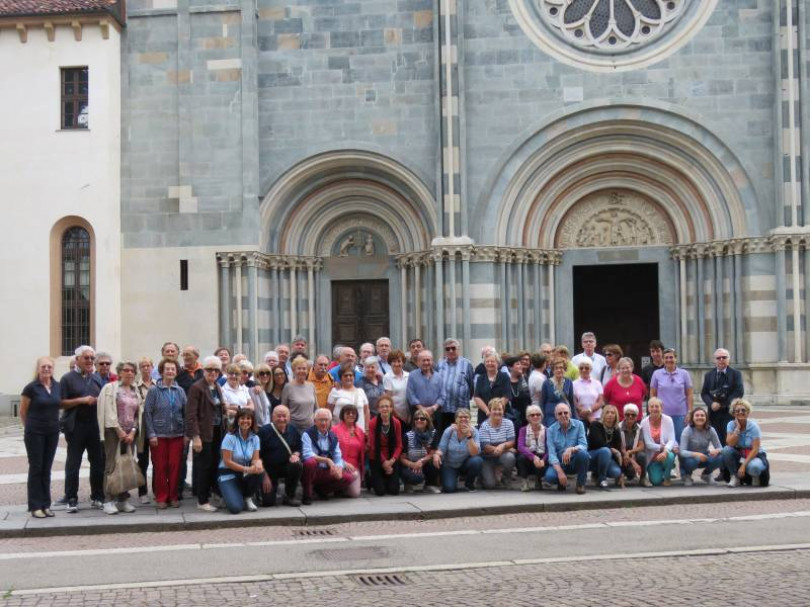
634 455
531 446
205 426
371 383
120 417
588 398
743 456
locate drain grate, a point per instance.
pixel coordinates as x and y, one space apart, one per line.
377 581
352 554
314 532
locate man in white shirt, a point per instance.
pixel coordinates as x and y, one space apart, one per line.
598 361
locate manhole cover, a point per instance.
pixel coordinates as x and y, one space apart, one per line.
352 554
314 532
373 581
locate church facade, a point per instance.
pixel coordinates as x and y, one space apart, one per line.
505 172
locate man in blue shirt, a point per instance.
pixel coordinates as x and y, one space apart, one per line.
456 373
425 389
347 355
567 450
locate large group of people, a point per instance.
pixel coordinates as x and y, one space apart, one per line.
386 421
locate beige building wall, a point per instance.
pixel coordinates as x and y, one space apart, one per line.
48 174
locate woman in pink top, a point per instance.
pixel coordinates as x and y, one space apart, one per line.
624 388
352 441
588 397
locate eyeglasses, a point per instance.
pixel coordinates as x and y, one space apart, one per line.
88 358
631 414
565 413
211 370
450 349
264 373
609 354
720 357
534 415
743 411
280 374
348 375
104 363
232 374
420 419
585 367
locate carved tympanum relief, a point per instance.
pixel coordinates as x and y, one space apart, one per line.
614 219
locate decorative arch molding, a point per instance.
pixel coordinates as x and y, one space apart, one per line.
303 205
55 247
684 168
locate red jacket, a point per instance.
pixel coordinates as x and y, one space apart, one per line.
372 436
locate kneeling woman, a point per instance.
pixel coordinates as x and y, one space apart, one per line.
241 470
605 447
416 461
497 435
743 457
459 453
659 440
384 448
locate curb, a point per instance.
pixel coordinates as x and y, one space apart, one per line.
299 517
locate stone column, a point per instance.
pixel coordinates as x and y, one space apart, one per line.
719 335
439 277
552 329
293 299
737 289
504 304
781 318
417 298
465 294
403 299
311 266
253 307
451 266
238 342
700 287
538 302
225 312
276 298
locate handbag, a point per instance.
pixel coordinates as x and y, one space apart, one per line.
125 476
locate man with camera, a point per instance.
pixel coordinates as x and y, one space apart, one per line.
721 386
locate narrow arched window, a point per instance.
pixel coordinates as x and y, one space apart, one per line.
75 289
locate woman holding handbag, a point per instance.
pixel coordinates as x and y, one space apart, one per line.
120 413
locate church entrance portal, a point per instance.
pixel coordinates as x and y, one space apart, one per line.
359 311
619 303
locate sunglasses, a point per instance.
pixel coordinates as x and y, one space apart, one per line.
264 373
212 370
743 411
534 415
420 419
450 349
631 414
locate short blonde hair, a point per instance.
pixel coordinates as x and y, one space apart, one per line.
743 403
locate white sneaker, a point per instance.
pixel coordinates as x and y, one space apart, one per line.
144 499
432 489
109 508
249 505
125 506
734 482
708 479
646 482
97 504
524 486
688 481
207 507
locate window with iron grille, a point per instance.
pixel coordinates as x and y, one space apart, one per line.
74 98
75 289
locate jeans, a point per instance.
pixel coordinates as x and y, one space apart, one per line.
731 462
429 475
505 461
690 464
678 422
603 464
41 449
471 468
382 483
660 471
578 464
85 436
527 468
235 490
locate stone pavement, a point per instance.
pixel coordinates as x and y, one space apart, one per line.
786 437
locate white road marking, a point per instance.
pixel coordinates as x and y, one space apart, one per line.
394 536
406 570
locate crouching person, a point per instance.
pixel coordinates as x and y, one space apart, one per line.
241 470
567 450
743 457
281 455
324 470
